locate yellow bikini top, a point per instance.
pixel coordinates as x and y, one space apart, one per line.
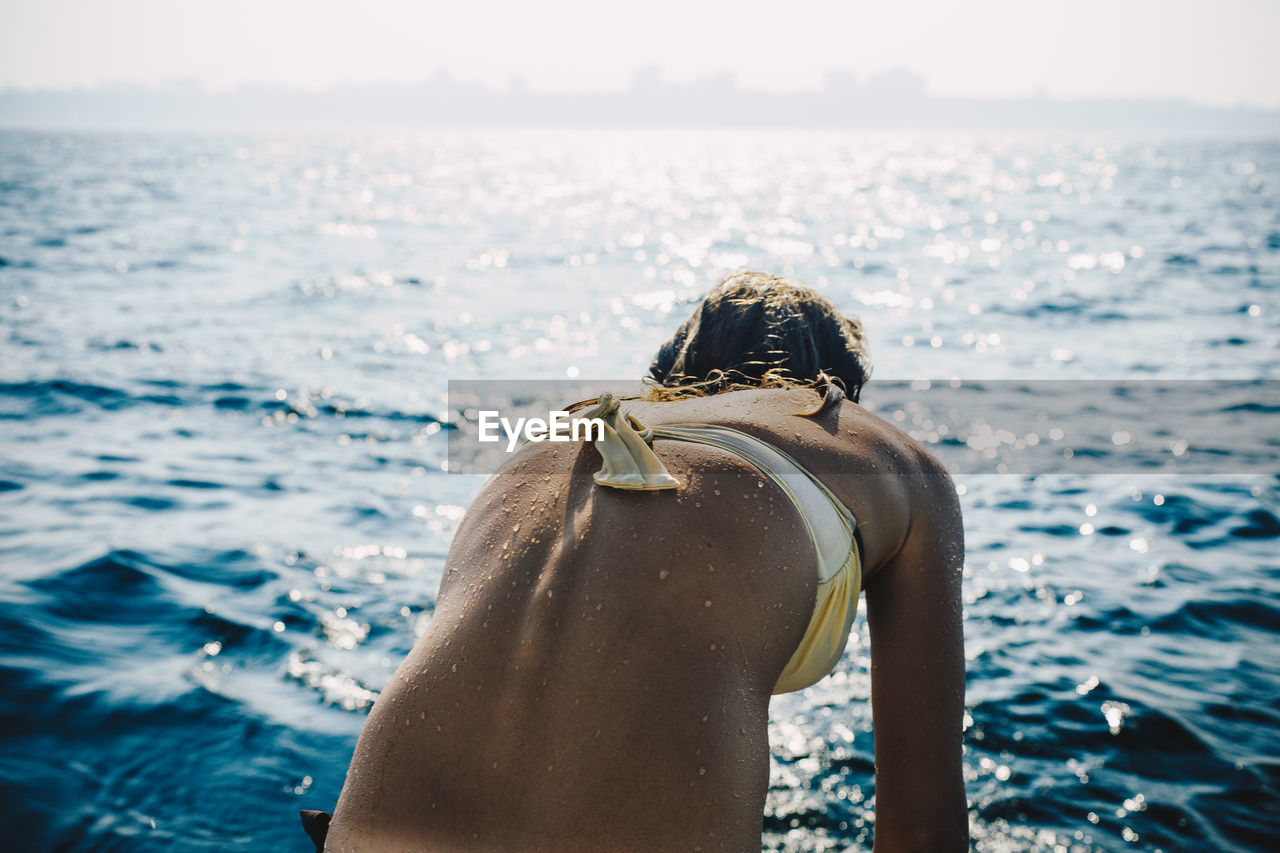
630 463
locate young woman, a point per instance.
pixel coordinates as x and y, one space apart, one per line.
613 619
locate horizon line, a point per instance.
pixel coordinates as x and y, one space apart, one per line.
899 84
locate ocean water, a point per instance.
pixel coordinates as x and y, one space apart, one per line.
223 514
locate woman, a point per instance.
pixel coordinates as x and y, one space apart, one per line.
609 629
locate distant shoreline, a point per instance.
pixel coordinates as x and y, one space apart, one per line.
885 104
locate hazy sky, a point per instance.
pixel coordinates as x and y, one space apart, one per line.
1211 51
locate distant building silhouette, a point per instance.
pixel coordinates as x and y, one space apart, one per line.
896 84
840 82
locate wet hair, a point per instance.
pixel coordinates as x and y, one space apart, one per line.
755 330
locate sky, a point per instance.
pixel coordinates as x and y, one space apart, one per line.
1212 52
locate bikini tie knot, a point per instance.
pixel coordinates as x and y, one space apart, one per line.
629 461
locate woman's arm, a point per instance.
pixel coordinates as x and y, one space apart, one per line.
917 677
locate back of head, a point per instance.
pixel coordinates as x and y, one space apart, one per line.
754 329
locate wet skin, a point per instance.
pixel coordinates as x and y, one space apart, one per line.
597 672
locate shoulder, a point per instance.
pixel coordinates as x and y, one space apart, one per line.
918 487
896 488
893 445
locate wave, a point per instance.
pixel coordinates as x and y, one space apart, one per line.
59 397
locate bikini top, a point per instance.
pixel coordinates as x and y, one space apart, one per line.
630 463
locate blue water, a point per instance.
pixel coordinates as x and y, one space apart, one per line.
223 362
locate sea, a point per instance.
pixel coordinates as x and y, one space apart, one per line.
225 499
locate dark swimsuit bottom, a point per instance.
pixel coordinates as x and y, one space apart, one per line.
316 825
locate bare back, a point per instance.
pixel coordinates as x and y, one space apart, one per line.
598 668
